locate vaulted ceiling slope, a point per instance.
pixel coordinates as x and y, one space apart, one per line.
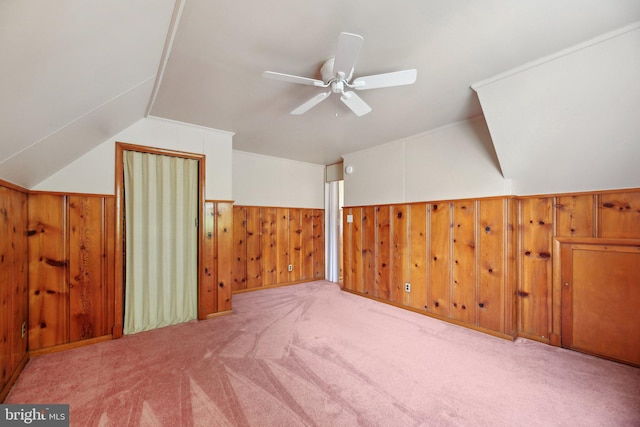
75 73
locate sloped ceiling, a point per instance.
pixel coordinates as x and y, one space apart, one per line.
75 73
570 122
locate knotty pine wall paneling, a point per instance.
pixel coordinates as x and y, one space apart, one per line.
383 253
418 257
13 285
224 255
295 245
48 272
369 270
535 233
463 302
239 266
575 215
401 254
619 215
267 240
71 268
454 255
307 243
282 245
440 259
318 244
88 266
254 249
494 256
207 297
269 247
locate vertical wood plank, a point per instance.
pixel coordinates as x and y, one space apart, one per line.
511 263
318 244
307 244
239 271
7 294
295 245
400 254
369 266
254 248
48 272
383 252
440 262
419 264
269 249
207 294
282 244
20 283
109 256
619 215
224 253
534 292
464 261
574 216
347 251
356 252
87 290
491 298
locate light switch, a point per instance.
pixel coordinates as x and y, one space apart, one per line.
349 219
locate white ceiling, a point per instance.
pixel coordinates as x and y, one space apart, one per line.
75 72
213 77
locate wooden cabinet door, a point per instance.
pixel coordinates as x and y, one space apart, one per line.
600 300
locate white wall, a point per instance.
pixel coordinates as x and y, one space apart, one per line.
94 173
260 180
570 122
452 162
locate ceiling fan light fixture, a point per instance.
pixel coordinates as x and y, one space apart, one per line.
337 73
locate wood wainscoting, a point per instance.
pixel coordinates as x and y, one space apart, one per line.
598 281
71 268
275 246
14 284
485 263
457 257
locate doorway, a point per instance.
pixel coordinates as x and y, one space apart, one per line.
159 204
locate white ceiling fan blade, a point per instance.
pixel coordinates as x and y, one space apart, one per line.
349 46
397 78
356 103
293 79
311 103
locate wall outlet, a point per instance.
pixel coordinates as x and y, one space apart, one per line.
290 267
24 329
407 287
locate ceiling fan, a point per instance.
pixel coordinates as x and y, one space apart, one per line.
337 74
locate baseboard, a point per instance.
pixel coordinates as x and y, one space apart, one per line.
219 314
278 285
69 346
14 377
436 316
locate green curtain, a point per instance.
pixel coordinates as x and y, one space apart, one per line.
161 211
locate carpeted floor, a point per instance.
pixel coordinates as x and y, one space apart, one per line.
310 354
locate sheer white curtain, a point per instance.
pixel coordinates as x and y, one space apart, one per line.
161 211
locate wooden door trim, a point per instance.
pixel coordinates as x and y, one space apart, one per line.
118 298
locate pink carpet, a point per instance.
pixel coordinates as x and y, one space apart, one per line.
310 354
